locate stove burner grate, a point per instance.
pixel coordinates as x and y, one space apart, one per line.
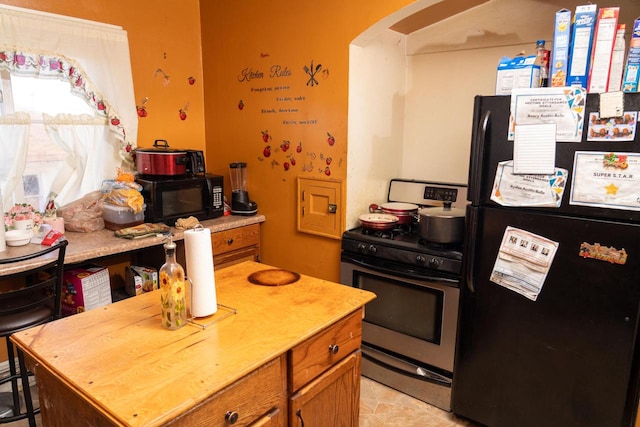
392 233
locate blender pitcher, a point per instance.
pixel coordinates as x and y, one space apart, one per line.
241 204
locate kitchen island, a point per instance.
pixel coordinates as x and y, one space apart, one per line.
269 354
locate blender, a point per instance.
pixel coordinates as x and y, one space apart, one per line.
240 202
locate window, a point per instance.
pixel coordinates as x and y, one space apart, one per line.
44 157
67 109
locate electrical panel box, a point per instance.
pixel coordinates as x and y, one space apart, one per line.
320 207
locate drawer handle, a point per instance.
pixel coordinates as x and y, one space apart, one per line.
333 348
299 415
231 417
229 241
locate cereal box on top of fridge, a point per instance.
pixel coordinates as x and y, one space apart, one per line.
584 23
515 73
604 38
617 60
632 69
561 45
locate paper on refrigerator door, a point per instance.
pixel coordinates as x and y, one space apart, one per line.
510 189
534 149
523 262
606 180
563 106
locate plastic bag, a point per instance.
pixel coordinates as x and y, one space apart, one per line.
83 215
125 194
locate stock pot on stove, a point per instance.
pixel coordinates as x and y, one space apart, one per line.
441 224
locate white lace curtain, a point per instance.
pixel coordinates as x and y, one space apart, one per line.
91 153
94 58
14 134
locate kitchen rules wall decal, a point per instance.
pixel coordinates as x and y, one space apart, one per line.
289 134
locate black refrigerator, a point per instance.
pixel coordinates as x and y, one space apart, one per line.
571 356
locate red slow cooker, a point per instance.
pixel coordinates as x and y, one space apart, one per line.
161 160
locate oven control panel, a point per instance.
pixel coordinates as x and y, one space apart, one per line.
426 193
440 193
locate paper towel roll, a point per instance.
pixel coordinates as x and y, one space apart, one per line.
199 258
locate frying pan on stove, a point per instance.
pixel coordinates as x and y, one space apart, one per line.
378 221
406 212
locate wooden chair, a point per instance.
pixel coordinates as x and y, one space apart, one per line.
36 303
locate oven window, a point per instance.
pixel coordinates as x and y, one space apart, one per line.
181 201
403 307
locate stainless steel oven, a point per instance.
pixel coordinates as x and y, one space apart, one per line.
409 330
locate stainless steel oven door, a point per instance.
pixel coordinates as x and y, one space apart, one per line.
412 318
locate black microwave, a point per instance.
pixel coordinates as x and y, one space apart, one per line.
169 198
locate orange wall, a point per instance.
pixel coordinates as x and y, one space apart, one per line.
153 31
256 35
162 35
276 40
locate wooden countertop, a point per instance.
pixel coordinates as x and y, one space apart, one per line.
86 246
121 359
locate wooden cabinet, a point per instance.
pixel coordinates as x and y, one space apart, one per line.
332 399
236 245
245 402
119 367
324 376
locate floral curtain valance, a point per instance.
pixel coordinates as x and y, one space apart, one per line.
59 67
92 56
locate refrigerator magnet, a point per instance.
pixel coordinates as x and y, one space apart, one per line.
603 253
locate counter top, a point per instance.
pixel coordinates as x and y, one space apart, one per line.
85 246
137 373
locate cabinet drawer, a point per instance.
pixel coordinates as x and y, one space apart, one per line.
314 356
236 238
247 400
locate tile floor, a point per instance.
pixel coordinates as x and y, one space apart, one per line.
381 406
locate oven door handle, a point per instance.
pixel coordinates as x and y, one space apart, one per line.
410 370
405 274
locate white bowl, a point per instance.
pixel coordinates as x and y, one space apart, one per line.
18 237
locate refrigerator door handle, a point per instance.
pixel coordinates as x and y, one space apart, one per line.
477 159
469 251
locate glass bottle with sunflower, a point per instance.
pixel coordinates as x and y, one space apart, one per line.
173 290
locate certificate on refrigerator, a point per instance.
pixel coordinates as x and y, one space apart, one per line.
562 106
539 190
606 179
